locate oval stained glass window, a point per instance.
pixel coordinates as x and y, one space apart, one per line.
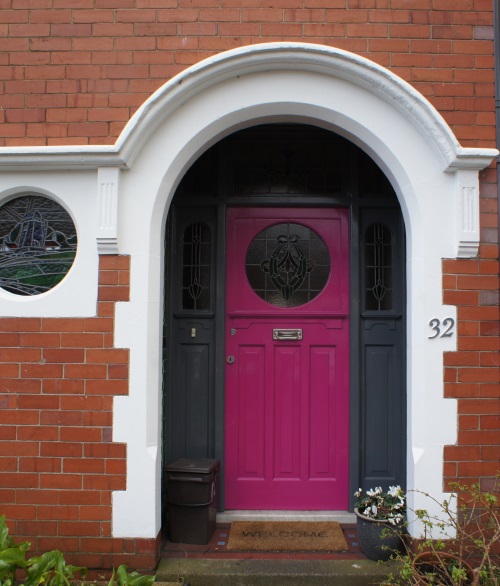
37 244
287 265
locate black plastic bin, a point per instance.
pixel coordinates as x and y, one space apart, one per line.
192 506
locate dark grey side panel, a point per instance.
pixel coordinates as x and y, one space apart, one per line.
382 409
190 356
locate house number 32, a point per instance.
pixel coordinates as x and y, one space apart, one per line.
444 330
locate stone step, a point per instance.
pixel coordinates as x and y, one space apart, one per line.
266 572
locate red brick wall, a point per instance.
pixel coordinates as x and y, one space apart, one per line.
74 71
58 463
472 374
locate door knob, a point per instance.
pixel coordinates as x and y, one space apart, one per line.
230 359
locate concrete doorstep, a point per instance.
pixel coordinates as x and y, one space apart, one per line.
258 572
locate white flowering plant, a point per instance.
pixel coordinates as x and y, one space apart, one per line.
382 505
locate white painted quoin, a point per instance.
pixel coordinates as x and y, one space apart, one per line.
119 197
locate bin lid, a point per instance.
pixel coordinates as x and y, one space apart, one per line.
197 466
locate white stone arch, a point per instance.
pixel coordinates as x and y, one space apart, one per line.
436 181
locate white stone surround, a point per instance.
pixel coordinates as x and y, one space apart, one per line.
119 196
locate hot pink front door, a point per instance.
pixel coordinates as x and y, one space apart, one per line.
287 359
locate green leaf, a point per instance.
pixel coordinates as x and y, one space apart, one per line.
51 569
40 568
112 581
6 542
126 578
11 559
13 555
4 534
70 571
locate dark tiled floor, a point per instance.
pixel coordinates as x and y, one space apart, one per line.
217 549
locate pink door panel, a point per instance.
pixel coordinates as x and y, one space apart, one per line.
287 402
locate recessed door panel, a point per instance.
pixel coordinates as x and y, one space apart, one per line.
250 398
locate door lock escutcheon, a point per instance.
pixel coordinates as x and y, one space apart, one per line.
230 359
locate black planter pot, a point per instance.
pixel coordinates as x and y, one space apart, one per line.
378 539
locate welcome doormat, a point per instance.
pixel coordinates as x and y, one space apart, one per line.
286 536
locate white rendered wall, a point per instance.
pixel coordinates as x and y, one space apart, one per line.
435 179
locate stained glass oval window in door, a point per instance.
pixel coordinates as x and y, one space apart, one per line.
37 244
287 265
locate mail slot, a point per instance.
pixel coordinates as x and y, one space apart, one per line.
287 334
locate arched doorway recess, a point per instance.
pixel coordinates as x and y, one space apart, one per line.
435 180
296 423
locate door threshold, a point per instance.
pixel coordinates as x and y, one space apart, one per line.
343 517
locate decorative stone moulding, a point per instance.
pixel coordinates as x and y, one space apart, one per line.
107 225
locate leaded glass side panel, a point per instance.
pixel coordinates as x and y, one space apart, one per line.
287 265
378 268
196 267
